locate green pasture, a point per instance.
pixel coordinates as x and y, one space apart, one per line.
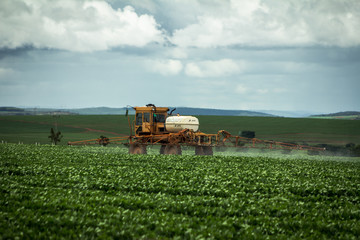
298 130
36 129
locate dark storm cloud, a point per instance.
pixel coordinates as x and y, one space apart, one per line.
7 52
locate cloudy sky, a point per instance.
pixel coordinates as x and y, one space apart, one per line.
229 54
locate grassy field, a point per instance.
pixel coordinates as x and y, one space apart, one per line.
65 192
288 129
31 129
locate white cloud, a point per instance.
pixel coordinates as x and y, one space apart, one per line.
165 67
92 25
275 23
74 25
223 67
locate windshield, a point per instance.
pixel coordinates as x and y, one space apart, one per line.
159 118
138 119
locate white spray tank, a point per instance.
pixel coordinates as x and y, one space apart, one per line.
176 124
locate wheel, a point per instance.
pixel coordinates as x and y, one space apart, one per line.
199 150
172 150
207 150
162 149
137 149
203 150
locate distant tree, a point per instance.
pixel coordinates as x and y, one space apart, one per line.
55 137
350 145
356 151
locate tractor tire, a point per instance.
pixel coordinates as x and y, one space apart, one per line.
203 150
207 150
172 150
162 149
199 150
136 148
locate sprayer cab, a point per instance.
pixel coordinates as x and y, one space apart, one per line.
150 120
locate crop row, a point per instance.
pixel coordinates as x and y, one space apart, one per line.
58 191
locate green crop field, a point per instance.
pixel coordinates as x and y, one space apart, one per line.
60 192
31 129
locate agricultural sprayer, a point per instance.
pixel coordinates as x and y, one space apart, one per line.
154 126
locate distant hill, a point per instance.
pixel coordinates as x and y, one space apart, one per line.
31 111
122 111
219 112
290 114
8 110
348 113
180 110
99 111
353 115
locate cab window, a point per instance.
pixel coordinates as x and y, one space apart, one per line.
159 118
146 117
138 119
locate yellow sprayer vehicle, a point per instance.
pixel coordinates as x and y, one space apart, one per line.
155 126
